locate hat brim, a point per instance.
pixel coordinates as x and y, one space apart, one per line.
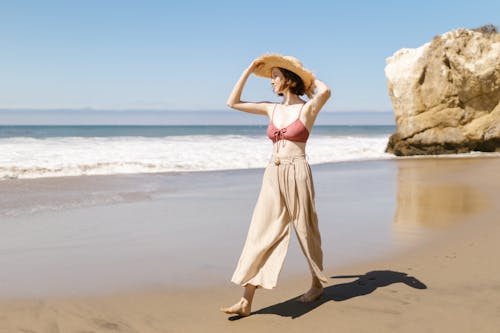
292 64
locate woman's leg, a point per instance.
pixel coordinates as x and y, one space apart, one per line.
266 244
244 306
307 230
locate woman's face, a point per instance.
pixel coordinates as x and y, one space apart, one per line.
277 80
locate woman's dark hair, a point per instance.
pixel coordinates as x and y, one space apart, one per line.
293 82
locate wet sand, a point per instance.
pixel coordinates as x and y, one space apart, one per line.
63 228
410 245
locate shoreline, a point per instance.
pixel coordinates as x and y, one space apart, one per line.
472 155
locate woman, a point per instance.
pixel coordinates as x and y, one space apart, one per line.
287 194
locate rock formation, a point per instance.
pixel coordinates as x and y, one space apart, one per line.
446 94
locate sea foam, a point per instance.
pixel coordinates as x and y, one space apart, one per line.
27 157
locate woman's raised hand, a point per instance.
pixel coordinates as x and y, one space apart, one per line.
256 64
311 90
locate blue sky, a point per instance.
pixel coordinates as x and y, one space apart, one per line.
187 55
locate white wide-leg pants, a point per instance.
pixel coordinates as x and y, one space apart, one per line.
286 198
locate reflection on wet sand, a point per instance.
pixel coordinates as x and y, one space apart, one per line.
432 194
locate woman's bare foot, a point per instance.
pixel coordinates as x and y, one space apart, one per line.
241 308
312 294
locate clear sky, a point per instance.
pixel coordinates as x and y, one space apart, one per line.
187 55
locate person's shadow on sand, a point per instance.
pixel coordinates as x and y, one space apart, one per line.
364 285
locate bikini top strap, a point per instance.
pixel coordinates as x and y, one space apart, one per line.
301 110
272 117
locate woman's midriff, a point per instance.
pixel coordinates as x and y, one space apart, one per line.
285 148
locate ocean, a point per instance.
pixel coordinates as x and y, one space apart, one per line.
36 151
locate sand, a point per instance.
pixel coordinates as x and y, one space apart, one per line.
438 273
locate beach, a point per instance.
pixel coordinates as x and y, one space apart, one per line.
135 137
410 245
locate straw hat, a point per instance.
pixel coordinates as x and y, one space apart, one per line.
287 62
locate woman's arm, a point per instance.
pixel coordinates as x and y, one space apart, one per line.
322 95
234 101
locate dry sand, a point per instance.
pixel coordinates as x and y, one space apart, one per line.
450 283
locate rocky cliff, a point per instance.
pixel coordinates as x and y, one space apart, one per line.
446 94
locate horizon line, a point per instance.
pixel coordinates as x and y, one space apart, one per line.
168 110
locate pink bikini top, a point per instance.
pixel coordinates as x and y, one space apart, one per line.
296 131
